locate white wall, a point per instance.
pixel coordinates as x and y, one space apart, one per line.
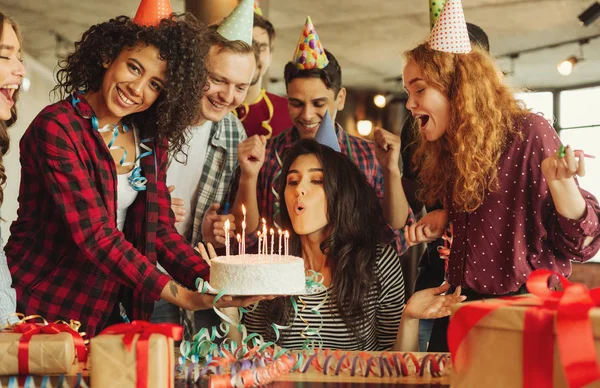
29 105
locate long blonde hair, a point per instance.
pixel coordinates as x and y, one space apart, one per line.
4 125
483 119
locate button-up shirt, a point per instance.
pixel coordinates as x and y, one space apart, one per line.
517 228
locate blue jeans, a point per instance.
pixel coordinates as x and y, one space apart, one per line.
425 326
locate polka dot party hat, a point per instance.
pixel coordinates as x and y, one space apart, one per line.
435 9
151 12
309 51
238 25
257 9
450 33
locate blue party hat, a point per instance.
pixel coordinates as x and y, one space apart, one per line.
326 134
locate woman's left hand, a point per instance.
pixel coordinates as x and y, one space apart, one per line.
207 256
563 167
429 303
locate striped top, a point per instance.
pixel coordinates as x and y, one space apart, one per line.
383 309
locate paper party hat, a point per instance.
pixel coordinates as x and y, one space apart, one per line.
257 9
326 133
309 51
238 25
151 12
450 33
435 9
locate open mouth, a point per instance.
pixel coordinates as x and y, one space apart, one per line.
124 99
8 91
422 120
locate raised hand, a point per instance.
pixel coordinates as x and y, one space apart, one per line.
430 303
212 226
177 207
251 155
387 150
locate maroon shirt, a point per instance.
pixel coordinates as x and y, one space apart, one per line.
517 229
269 116
67 258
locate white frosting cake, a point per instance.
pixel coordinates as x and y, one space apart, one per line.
258 274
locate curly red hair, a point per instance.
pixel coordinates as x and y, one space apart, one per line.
483 118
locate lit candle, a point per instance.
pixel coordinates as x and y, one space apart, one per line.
226 229
239 238
265 237
287 243
244 231
259 241
280 234
272 232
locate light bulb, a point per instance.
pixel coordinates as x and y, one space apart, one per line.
379 101
364 127
566 67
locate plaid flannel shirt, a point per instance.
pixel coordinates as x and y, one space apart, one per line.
218 169
360 151
67 258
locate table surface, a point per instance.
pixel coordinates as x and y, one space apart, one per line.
312 378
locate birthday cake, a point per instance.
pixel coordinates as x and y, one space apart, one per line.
258 274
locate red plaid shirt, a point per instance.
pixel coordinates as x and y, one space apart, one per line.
67 258
360 151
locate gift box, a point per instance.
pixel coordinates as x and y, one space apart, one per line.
545 339
40 349
139 354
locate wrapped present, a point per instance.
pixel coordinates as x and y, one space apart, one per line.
137 354
41 349
546 339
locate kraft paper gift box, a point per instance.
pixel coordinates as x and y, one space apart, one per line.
495 351
133 355
46 354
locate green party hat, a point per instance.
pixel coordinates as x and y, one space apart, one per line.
238 25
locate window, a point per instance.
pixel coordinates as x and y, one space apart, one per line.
580 123
539 102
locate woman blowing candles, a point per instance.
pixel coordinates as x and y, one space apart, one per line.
329 206
12 72
514 202
92 224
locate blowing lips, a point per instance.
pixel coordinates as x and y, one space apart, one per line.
298 208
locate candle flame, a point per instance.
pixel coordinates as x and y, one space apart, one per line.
239 238
272 232
227 224
279 231
287 234
243 209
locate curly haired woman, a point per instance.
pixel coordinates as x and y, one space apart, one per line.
94 212
12 73
513 201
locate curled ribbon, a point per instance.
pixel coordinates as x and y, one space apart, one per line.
144 330
574 334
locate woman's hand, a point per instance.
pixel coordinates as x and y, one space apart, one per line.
213 223
427 229
559 171
430 303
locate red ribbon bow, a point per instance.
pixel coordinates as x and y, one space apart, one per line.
30 329
145 330
574 333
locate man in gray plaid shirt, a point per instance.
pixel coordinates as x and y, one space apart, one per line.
199 175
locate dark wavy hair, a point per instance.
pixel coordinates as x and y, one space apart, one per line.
331 75
179 41
4 125
351 248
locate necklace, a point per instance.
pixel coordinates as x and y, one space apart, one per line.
136 180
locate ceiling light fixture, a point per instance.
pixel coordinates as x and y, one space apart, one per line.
364 127
588 16
566 67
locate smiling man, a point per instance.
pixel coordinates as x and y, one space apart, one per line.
314 86
202 170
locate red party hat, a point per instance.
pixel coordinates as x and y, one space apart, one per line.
151 12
